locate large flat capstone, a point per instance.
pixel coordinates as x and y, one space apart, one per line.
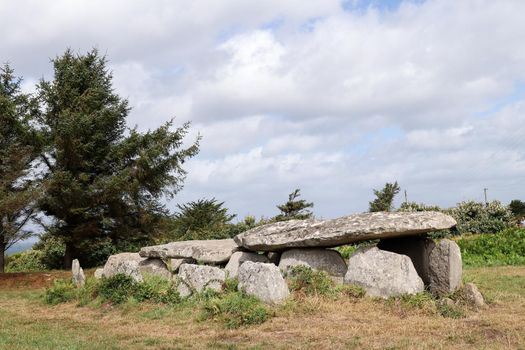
348 229
216 251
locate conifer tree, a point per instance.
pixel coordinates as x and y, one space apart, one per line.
17 190
294 208
384 200
103 180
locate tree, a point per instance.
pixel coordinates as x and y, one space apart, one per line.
17 190
103 180
294 208
202 219
384 198
517 208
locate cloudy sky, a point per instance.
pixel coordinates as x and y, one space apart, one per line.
332 97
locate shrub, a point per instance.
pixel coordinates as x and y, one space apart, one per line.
62 291
346 250
28 261
309 282
118 288
235 309
504 248
476 217
156 289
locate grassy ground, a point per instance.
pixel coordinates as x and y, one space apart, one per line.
27 323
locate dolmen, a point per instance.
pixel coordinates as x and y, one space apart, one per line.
395 256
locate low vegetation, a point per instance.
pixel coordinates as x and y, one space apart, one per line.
504 248
346 320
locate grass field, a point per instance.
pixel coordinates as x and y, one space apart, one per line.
309 323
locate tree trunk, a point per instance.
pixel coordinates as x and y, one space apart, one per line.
2 256
68 255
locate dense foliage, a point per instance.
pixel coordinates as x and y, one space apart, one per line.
384 200
504 248
17 152
102 180
202 219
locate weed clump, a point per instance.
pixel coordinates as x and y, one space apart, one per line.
235 309
62 291
303 280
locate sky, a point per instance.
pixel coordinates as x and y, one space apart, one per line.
333 97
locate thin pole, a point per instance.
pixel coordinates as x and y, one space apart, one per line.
485 192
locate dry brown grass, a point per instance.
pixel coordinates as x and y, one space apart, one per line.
303 324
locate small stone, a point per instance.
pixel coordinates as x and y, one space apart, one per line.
238 258
383 274
197 278
473 296
327 260
99 273
155 267
176 263
79 279
264 281
445 268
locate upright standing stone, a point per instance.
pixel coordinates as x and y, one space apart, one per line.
238 258
383 274
197 278
155 267
417 248
327 260
79 279
176 263
445 268
124 263
263 281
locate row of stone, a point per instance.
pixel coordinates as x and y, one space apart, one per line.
398 268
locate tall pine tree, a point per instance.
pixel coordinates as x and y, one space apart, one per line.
17 189
103 180
384 200
295 208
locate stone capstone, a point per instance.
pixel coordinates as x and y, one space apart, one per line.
125 263
216 251
445 268
327 260
417 248
348 229
382 273
79 279
264 281
196 278
153 266
238 258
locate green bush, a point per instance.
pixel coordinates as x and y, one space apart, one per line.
476 217
351 290
156 289
304 280
235 309
62 291
28 261
504 248
118 288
